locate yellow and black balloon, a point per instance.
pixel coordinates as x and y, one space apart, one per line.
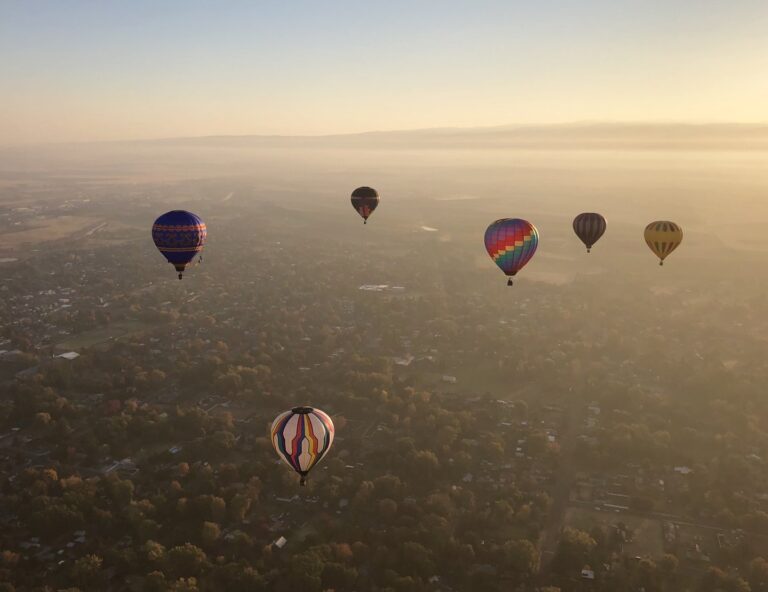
663 237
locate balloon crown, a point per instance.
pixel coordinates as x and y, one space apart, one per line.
302 410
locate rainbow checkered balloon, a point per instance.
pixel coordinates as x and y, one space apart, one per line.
511 243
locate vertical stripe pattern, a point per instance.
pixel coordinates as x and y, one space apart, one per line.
302 437
663 237
589 227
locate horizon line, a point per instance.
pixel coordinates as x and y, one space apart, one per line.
446 128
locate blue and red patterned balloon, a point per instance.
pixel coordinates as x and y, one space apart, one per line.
179 235
511 242
301 437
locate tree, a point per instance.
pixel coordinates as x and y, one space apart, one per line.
210 533
339 577
121 490
716 580
42 419
572 551
387 486
239 506
155 552
387 508
416 560
218 508
184 585
304 573
758 574
667 566
187 560
236 577
52 517
87 571
424 463
241 542
147 529
155 582
221 441
520 558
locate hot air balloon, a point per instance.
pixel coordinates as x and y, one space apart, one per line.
179 235
302 437
663 237
589 227
365 200
511 242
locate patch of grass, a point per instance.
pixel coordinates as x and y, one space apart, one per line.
97 336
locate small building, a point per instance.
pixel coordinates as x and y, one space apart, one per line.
280 542
287 500
404 361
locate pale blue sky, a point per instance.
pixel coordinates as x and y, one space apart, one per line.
78 70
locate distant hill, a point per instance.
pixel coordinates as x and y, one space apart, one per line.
590 136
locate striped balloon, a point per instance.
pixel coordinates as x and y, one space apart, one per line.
663 237
511 242
179 235
302 437
589 227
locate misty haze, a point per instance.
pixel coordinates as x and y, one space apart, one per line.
604 408
383 296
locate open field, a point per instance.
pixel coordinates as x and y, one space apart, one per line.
479 379
647 539
46 229
98 336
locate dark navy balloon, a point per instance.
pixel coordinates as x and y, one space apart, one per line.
365 200
179 235
589 227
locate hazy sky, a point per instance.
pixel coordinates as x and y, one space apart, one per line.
109 69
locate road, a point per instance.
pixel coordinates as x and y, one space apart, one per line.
96 228
563 477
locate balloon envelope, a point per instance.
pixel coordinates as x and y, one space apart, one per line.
663 237
179 235
511 242
301 437
365 200
589 227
